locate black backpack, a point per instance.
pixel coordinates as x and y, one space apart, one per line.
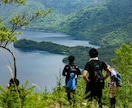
97 69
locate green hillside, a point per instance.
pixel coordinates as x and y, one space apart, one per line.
67 6
58 97
104 22
60 8
108 23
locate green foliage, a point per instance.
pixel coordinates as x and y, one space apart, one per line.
105 22
109 20
14 97
8 34
80 52
114 38
60 9
67 6
123 57
123 63
13 1
114 15
18 20
28 99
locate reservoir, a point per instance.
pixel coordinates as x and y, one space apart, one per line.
40 68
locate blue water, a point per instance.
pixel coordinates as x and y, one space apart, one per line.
40 68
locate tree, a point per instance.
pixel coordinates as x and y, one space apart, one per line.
8 34
123 63
123 58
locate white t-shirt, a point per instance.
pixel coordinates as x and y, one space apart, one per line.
113 73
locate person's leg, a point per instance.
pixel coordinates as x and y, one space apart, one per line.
87 91
112 95
68 96
89 99
98 97
74 100
112 102
99 102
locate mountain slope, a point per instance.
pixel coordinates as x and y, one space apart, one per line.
110 20
67 6
60 8
104 22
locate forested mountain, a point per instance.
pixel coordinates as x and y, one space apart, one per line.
103 22
60 8
108 23
67 6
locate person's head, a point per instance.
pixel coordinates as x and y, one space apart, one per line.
14 81
71 59
93 52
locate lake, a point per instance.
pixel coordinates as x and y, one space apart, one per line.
40 68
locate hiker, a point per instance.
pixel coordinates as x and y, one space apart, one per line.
71 70
13 84
113 86
95 78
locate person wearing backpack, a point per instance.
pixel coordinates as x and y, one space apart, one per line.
71 72
13 84
115 82
93 76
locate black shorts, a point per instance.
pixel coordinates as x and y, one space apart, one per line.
94 89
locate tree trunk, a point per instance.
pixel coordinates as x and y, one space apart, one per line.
14 59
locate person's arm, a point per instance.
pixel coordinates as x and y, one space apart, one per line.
65 70
85 76
78 70
8 86
107 73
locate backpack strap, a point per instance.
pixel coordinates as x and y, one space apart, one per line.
72 68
